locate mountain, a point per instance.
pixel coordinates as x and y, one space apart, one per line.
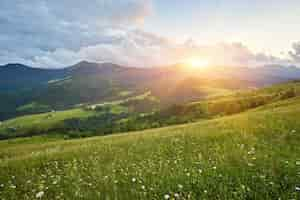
18 76
26 90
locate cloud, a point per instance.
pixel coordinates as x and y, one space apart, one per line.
59 33
295 54
141 49
35 28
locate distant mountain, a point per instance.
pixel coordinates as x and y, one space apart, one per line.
88 82
288 72
85 67
18 76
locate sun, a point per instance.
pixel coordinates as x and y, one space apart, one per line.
197 62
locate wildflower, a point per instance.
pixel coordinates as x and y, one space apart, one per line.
39 194
200 171
143 187
214 167
166 196
133 180
205 191
262 176
297 189
180 186
13 186
250 164
188 174
176 195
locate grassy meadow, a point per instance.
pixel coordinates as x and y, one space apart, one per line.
251 155
141 112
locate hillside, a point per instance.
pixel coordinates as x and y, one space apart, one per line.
142 111
252 155
25 90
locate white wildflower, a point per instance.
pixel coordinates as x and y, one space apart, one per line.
250 164
166 196
39 194
180 186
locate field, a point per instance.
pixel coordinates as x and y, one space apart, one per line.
251 155
141 112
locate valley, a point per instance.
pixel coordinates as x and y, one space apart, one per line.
257 152
118 135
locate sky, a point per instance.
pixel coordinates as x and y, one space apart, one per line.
145 33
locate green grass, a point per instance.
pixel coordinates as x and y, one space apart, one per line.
50 122
252 155
86 121
42 122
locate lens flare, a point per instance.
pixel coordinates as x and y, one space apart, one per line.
197 62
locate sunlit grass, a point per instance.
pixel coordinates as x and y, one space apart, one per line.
254 155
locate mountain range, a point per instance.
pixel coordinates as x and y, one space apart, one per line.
22 86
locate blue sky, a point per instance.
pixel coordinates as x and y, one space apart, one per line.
145 33
270 25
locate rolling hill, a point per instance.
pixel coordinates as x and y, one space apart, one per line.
143 112
251 155
25 90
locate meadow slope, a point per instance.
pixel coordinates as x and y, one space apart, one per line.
252 155
140 112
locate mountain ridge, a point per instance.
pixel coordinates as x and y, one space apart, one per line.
89 82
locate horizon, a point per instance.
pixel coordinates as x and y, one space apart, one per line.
182 64
145 33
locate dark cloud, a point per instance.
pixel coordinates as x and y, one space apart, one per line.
38 27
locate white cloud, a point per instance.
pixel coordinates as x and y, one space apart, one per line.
59 33
137 48
36 28
295 54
